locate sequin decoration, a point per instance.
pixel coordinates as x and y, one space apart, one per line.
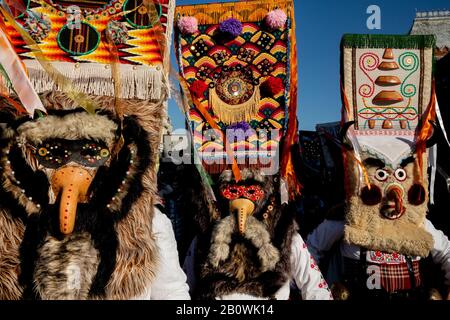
265 41
58 152
252 193
234 88
199 48
265 67
221 57
246 55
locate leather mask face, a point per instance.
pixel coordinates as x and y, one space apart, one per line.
56 153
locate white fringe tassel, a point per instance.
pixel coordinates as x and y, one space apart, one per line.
137 82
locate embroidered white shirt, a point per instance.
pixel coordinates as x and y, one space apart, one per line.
305 274
329 232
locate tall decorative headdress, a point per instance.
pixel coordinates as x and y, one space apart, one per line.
389 102
238 74
238 71
77 39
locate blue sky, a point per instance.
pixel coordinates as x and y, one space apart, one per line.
320 26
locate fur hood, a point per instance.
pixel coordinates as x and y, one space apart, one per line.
111 254
256 262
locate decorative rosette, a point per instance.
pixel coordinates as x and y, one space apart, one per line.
235 94
234 88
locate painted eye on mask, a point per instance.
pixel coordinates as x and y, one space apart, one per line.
234 191
381 175
55 153
231 192
42 151
253 192
416 194
400 174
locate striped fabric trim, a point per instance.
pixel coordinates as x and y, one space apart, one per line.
395 277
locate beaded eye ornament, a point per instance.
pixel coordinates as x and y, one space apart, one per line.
253 192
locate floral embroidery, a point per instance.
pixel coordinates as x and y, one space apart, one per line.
323 284
313 263
383 257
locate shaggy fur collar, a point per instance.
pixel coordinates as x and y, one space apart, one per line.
257 263
65 269
255 232
11 235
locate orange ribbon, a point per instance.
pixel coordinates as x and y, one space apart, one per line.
213 124
287 165
16 105
344 118
426 130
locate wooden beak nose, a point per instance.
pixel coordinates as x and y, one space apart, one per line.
243 208
73 184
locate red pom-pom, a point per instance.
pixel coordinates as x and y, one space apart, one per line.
273 86
198 88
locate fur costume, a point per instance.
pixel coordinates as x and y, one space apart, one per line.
237 65
78 181
366 227
256 262
385 162
387 126
112 232
388 113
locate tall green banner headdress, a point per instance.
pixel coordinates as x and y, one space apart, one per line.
389 103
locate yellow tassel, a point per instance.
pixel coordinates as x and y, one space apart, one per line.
228 113
213 13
